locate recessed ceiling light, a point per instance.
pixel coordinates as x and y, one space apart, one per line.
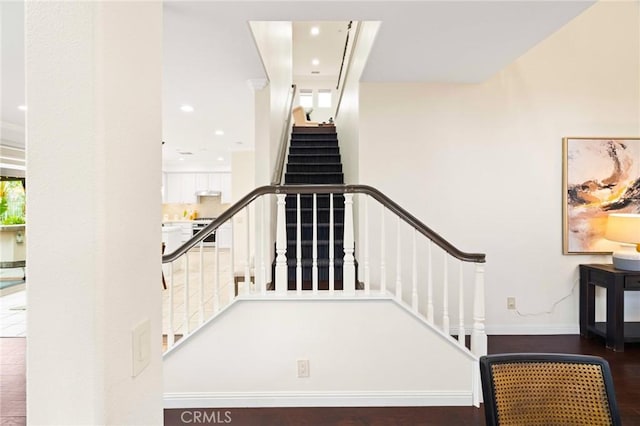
315 62
219 132
220 158
186 108
315 31
22 107
181 159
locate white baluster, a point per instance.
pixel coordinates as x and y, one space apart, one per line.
186 293
383 270
348 264
314 265
298 247
478 335
398 262
264 247
414 274
247 263
201 286
367 272
281 246
445 297
216 284
331 254
429 283
170 331
232 262
461 332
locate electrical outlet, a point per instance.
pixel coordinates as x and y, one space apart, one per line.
303 368
511 303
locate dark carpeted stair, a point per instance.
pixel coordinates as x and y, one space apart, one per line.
314 158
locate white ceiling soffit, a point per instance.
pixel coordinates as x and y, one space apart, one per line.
467 41
430 41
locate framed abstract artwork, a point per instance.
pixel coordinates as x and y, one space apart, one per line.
600 176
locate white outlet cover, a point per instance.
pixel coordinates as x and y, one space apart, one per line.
141 347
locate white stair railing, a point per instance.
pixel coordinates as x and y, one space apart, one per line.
197 292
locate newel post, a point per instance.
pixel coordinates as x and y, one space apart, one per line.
478 335
349 268
281 246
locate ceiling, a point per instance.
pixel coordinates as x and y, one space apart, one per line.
210 57
327 47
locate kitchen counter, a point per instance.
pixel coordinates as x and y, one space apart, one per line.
12 228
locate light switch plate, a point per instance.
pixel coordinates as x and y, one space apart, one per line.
141 347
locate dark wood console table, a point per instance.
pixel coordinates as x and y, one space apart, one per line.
615 330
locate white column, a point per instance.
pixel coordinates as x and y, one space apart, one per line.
445 295
93 76
367 271
348 266
478 334
398 262
281 246
298 247
314 264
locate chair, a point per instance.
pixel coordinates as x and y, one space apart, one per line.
548 389
300 118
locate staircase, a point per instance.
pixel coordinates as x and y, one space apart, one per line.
314 158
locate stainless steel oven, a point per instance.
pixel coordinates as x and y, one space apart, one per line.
199 224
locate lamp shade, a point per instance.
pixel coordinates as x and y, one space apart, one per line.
623 227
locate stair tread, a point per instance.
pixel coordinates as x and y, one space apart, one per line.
292 262
310 242
316 155
314 173
310 209
331 163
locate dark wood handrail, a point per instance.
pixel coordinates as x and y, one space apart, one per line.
344 54
327 189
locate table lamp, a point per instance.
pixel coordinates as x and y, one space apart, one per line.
625 228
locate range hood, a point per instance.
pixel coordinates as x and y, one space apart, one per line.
208 193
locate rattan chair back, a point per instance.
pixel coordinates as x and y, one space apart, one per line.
548 389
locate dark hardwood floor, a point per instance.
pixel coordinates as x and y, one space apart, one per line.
625 367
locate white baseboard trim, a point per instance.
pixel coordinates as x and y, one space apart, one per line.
316 399
533 329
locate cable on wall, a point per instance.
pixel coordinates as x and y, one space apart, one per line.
553 307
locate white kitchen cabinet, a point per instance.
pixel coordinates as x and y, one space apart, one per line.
202 182
181 188
189 188
173 188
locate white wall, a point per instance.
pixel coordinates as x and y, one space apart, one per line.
348 119
243 165
274 40
93 73
366 351
482 163
244 174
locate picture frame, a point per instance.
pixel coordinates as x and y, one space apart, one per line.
601 175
